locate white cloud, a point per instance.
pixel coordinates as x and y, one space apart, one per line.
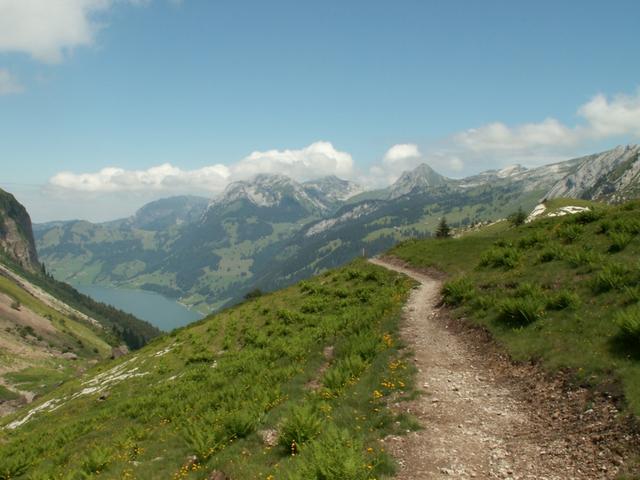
163 177
9 84
498 137
48 30
313 161
620 116
402 151
602 118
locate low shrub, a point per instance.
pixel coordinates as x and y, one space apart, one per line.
96 461
569 232
587 216
619 241
343 372
549 254
335 455
628 322
289 317
519 312
240 423
203 439
613 276
457 291
626 225
527 289
505 257
13 465
535 239
302 425
582 258
563 299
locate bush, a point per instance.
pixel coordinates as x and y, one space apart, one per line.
629 323
527 289
519 312
203 440
626 225
302 425
13 465
563 299
16 306
583 258
343 372
613 276
517 218
532 240
587 216
289 317
240 423
619 240
457 291
506 258
569 232
550 254
96 461
334 456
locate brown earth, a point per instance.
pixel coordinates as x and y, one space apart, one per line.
486 417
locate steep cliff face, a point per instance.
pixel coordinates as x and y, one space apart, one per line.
16 234
612 176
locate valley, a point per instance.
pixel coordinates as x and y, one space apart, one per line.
272 231
315 362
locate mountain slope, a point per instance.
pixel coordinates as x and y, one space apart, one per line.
43 341
312 364
613 175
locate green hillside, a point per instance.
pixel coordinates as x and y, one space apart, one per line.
35 338
564 291
315 362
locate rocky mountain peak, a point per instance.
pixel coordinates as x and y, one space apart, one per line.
334 188
420 178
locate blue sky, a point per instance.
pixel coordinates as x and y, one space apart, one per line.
221 90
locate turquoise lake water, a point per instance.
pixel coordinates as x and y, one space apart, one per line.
165 313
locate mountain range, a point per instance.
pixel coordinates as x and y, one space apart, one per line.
272 230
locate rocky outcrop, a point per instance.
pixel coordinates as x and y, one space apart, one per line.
612 176
16 233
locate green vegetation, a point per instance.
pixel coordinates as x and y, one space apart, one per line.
443 230
517 218
199 398
562 290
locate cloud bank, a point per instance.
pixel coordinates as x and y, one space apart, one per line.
489 146
316 160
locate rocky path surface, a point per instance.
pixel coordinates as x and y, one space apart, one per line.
484 420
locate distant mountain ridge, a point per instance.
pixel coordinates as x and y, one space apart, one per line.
272 230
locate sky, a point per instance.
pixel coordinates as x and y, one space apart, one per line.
108 104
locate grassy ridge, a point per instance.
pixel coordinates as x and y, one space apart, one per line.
564 290
208 389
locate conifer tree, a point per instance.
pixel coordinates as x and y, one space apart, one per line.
443 231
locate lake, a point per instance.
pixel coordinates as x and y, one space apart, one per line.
165 313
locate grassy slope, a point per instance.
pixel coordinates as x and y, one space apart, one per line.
554 290
207 389
35 368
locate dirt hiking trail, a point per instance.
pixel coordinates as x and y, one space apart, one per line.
487 418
